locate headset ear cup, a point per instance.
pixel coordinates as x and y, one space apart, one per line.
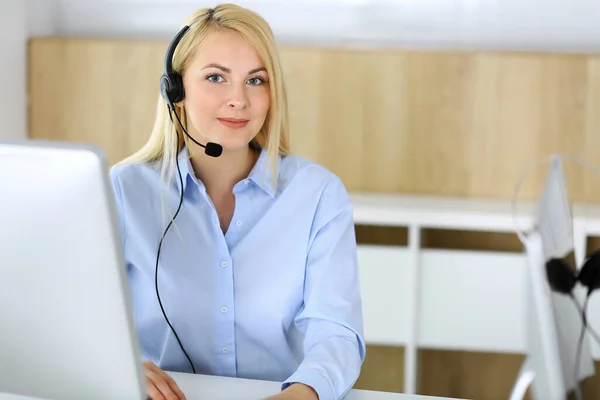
171 88
177 88
560 277
165 88
589 275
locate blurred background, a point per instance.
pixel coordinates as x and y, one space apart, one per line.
429 111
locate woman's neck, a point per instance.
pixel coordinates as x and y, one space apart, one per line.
220 174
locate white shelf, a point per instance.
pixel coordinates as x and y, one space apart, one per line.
451 299
439 212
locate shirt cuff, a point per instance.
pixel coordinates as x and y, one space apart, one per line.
144 358
315 380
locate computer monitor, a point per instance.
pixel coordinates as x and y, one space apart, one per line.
66 327
553 323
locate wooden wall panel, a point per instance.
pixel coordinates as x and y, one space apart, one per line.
463 124
468 375
459 124
383 369
94 91
481 376
454 374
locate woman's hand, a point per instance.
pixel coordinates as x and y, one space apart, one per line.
297 391
159 385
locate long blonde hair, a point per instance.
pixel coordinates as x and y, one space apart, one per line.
161 148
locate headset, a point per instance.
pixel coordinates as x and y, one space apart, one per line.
172 91
562 278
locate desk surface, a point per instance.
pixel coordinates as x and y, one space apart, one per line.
197 387
200 387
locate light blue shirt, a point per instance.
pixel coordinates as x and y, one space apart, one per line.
275 298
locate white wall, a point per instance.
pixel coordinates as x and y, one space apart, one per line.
547 25
42 17
13 36
529 25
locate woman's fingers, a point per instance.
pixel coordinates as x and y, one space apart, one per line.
153 391
160 385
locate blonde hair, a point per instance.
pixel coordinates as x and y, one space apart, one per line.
161 147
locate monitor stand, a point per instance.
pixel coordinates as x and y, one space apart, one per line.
523 381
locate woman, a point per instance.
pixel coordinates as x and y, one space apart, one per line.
257 274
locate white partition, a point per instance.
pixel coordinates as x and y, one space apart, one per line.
384 280
472 301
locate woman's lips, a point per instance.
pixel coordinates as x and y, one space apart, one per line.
233 122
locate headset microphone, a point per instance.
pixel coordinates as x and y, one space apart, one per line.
212 149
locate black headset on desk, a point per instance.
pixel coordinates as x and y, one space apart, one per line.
562 278
172 91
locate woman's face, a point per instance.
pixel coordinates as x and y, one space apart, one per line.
226 92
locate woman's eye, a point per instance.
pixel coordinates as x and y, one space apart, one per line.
214 78
256 81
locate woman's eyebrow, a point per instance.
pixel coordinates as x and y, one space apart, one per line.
228 71
259 69
222 68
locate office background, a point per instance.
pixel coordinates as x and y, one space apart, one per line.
444 98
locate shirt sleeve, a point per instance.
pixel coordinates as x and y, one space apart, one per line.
120 220
331 316
118 202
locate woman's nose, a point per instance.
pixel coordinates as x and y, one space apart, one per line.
238 98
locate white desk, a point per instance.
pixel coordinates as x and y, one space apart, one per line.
202 387
197 387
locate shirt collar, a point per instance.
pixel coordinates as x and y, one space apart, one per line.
185 166
261 173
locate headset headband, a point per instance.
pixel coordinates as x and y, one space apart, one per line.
171 83
171 49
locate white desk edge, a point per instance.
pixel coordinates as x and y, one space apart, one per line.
200 387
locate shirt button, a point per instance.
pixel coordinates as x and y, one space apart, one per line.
246 182
223 309
224 264
238 223
225 350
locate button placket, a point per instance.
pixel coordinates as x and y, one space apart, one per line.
239 212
